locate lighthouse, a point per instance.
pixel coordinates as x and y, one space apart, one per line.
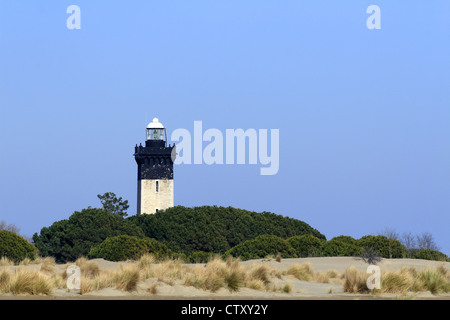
155 170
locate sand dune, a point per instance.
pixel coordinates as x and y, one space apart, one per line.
296 289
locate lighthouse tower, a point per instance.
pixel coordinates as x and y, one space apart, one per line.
155 170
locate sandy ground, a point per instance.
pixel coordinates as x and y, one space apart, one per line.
300 289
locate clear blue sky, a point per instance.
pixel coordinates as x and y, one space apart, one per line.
363 114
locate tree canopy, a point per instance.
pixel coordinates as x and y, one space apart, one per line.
67 240
216 229
384 246
196 233
261 247
113 204
307 245
341 246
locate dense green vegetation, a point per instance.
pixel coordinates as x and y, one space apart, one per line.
262 246
16 248
67 240
348 246
194 234
183 230
428 254
385 247
216 229
343 246
200 257
307 245
124 247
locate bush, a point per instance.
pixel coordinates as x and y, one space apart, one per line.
343 246
215 229
16 248
307 245
68 240
387 248
261 247
201 257
124 247
428 254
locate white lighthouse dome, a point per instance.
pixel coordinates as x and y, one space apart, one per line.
155 124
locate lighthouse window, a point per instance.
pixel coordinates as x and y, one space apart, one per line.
157 186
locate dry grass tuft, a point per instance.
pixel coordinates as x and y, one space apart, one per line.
321 277
443 271
432 280
153 288
58 281
5 277
410 280
278 257
217 274
398 281
146 261
47 265
26 282
92 278
25 262
261 273
89 269
127 278
167 271
305 272
256 284
402 282
332 274
98 282
302 271
4 261
355 281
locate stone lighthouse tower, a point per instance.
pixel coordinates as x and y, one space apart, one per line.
155 170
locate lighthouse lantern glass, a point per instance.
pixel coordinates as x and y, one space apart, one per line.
155 134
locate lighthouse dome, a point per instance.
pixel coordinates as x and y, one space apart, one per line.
155 124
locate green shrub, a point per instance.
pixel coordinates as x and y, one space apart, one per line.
15 248
343 246
215 229
307 245
261 247
428 254
124 247
411 252
201 256
384 246
68 240
157 248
